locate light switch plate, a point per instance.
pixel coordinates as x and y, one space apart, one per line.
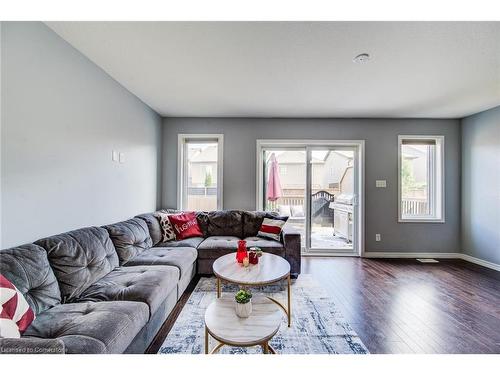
381 183
122 157
114 155
378 238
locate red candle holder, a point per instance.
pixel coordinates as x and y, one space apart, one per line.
241 253
253 258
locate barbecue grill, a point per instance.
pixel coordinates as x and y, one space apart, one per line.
343 206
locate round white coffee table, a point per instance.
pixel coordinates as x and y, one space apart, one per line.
222 323
270 269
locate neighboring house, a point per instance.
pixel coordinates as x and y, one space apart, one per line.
328 169
292 168
202 163
415 171
334 167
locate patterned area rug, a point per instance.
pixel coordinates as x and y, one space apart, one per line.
317 325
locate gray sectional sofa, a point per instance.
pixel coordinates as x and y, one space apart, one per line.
109 289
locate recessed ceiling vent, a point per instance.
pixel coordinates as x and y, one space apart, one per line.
362 58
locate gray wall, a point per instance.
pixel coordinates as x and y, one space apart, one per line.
61 118
481 185
240 137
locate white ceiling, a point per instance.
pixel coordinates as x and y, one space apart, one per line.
298 69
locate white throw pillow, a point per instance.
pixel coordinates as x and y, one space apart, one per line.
284 210
298 211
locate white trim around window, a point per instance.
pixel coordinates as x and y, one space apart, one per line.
182 140
435 177
358 145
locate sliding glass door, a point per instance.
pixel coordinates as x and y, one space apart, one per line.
317 187
284 184
331 199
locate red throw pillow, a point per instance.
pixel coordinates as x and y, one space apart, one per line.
15 313
185 225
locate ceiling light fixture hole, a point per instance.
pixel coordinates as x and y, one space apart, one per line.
361 58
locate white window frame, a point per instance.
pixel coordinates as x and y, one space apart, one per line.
437 212
182 140
359 242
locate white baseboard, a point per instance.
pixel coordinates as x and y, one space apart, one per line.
327 254
377 254
468 258
481 262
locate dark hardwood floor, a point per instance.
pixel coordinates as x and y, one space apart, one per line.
402 306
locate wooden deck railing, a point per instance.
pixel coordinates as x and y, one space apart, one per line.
289 200
297 200
414 206
409 206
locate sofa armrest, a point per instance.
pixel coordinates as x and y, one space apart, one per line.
291 241
31 345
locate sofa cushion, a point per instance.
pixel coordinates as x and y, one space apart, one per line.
252 220
267 245
154 227
27 267
102 327
216 246
202 217
180 257
79 258
188 242
148 284
224 223
130 238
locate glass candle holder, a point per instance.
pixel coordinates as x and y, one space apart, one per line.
241 253
253 258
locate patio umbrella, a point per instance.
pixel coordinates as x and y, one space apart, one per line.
273 191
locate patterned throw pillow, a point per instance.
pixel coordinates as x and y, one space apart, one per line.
167 230
185 225
272 226
15 313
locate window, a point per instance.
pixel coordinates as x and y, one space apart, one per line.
200 172
421 178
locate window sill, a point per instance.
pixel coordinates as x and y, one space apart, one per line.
421 220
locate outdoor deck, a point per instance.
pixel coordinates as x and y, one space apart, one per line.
322 237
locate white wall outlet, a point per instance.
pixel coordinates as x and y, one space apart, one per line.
381 183
122 157
114 155
378 238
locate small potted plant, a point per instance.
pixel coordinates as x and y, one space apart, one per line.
243 303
